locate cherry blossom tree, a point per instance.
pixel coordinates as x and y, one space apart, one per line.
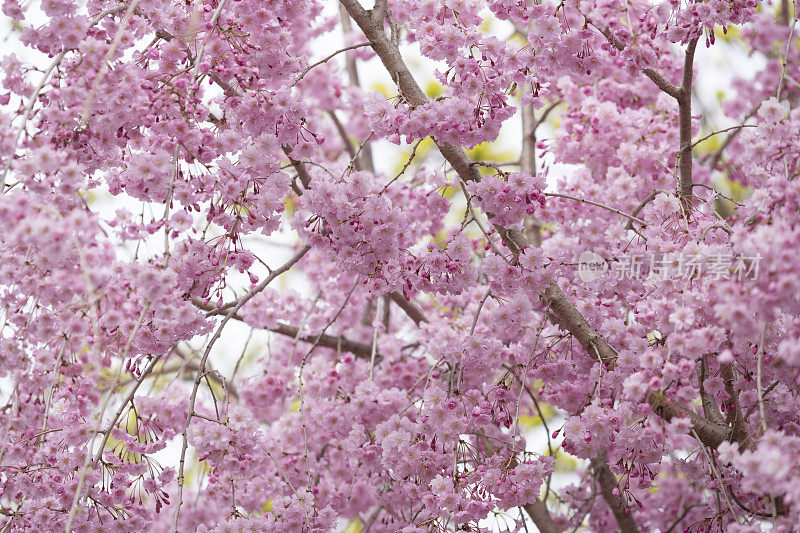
225 306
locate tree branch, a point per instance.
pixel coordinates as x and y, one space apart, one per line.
527 159
358 349
327 341
410 308
299 167
650 197
345 139
631 218
352 73
710 408
409 88
213 375
537 510
660 81
683 95
193 398
685 127
565 312
608 482
568 316
540 515
710 434
739 431
717 156
325 59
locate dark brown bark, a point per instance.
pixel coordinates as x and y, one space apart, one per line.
685 127
608 482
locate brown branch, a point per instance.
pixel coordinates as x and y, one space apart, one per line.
563 311
631 218
739 126
409 88
213 375
710 434
203 361
685 127
321 61
710 408
411 91
650 197
540 515
717 156
527 161
783 13
736 421
327 341
410 308
345 139
358 349
755 405
299 167
379 11
608 482
681 517
657 78
568 316
683 95
350 62
352 73
537 510
662 83
131 393
527 156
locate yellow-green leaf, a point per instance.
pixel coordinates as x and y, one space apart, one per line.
354 526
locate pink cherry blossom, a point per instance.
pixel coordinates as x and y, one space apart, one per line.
322 266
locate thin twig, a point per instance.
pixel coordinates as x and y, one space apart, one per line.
759 358
321 61
33 98
87 459
737 127
632 218
717 476
785 56
375 327
193 398
301 382
87 103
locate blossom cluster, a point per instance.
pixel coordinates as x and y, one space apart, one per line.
224 306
